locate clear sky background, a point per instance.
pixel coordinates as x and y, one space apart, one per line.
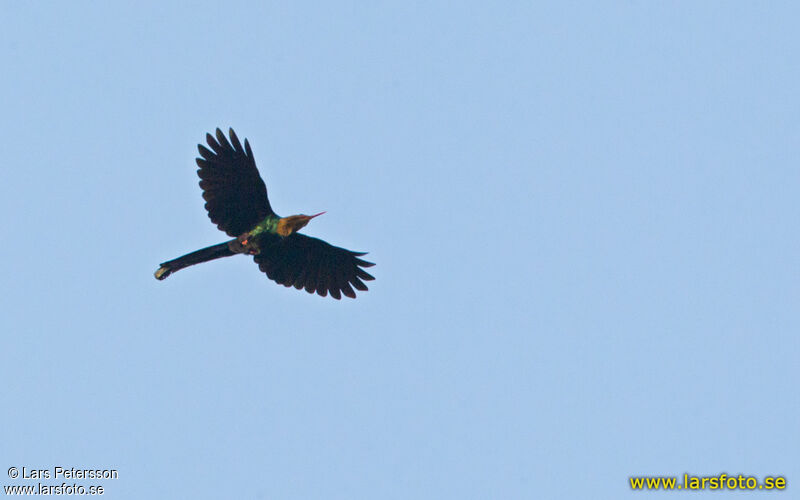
584 217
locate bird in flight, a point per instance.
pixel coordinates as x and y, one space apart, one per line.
236 201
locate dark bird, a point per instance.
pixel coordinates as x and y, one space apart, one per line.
236 201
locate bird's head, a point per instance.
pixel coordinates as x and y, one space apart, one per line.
293 223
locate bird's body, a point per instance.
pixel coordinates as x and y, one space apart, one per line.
236 200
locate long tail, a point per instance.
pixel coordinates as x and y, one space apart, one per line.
190 259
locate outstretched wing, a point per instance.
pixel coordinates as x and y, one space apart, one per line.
304 262
236 197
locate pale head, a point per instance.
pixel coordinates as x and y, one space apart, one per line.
293 223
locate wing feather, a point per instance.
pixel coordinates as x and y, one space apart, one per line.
312 264
235 195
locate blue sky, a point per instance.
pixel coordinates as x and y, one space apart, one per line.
584 219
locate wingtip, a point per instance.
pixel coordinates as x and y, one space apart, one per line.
362 262
235 140
223 141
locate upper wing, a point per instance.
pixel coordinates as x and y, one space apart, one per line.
304 262
236 197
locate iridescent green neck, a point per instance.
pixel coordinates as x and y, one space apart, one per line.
268 225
